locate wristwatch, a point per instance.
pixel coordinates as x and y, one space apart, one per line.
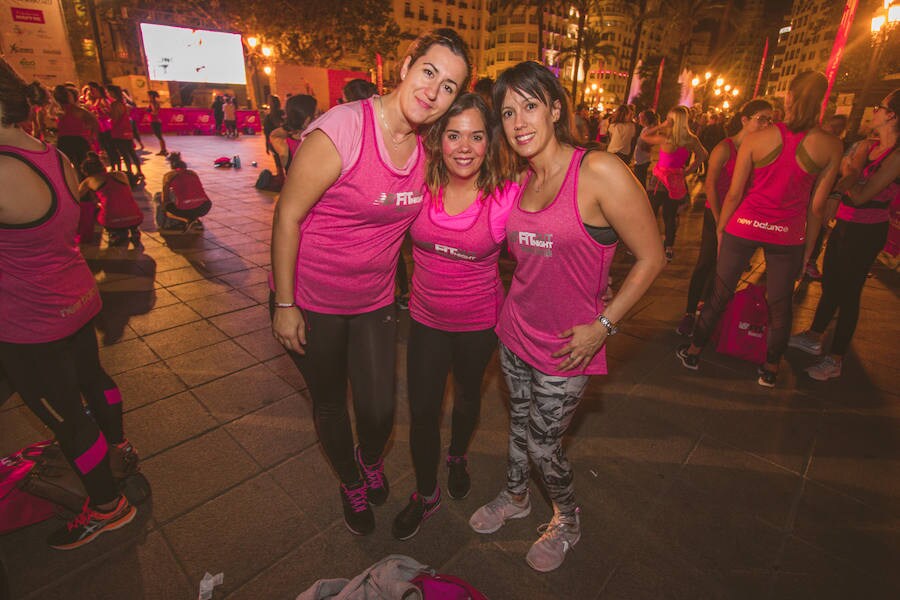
611 328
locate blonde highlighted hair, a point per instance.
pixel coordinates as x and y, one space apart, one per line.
680 135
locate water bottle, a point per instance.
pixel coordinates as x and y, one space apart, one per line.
236 161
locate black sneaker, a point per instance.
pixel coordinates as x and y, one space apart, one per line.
376 482
458 482
357 515
766 378
409 520
690 361
85 528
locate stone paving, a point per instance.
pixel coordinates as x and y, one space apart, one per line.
692 485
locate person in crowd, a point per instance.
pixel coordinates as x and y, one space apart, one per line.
299 112
581 127
483 88
229 114
603 130
358 89
456 297
119 212
274 119
753 116
642 149
218 113
791 169
121 133
668 187
183 200
354 188
872 184
98 102
76 128
48 347
562 230
130 103
713 132
156 122
621 134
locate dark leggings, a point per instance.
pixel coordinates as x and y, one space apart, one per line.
640 171
76 148
109 146
701 280
783 264
851 250
431 353
670 212
126 150
363 348
52 378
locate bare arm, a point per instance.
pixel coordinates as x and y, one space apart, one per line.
316 167
278 139
717 161
821 190
700 155
617 199
655 135
743 167
864 191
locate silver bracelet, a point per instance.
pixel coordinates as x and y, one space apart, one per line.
285 305
611 328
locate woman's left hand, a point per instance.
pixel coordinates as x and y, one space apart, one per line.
584 342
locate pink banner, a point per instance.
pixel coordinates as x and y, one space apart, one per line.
193 121
762 66
837 50
337 80
662 64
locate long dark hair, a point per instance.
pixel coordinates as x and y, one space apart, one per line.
533 79
298 111
436 175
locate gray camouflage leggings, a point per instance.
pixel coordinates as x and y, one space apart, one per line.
541 409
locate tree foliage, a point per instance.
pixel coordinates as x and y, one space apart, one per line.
670 90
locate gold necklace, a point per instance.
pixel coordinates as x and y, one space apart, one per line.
388 127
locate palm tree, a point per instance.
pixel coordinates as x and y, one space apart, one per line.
684 15
640 15
593 48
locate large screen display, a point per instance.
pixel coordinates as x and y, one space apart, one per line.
179 54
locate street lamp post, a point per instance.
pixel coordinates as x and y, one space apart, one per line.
883 23
723 93
257 53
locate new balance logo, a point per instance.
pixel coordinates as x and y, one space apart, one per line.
398 200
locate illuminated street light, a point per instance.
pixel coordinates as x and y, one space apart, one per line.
717 92
719 82
695 81
728 88
725 104
594 86
267 70
734 92
253 41
267 51
708 75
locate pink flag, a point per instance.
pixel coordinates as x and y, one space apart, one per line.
837 50
762 65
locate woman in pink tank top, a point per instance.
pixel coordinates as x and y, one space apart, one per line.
863 218
563 232
122 134
667 186
456 297
76 128
48 347
791 168
753 116
119 212
355 186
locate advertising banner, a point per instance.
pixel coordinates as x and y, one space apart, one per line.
192 121
33 39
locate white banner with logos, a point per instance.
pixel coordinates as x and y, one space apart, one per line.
33 39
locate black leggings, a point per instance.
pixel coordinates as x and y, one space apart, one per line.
126 150
108 145
783 264
702 278
363 348
52 378
670 212
851 250
640 171
431 353
76 148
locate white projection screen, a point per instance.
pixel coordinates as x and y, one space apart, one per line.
196 55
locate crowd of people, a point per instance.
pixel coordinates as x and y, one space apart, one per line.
465 175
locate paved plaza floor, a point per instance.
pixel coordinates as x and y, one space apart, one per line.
692 484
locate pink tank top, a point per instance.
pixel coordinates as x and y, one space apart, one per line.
559 280
121 127
47 290
727 172
118 209
100 108
350 239
69 124
669 170
878 209
292 145
456 282
773 210
186 190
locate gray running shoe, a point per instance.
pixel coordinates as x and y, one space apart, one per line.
807 342
825 369
557 537
491 517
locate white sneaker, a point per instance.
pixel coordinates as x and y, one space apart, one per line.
491 517
558 537
807 342
825 369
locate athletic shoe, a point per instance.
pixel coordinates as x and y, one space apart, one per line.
689 361
812 271
410 519
557 537
357 515
766 378
376 482
85 528
825 369
670 254
458 482
491 517
807 342
686 327
123 460
162 153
